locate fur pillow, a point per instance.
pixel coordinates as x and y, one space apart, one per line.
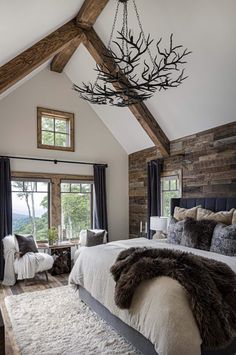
94 239
175 231
224 240
26 244
198 234
220 217
182 213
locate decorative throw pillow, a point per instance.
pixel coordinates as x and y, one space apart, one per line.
26 244
182 213
94 239
234 217
224 240
175 231
198 234
224 217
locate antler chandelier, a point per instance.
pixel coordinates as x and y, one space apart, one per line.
131 74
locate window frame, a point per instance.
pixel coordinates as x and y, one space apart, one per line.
68 116
170 173
55 198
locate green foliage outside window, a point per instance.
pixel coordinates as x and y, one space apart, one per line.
169 189
76 206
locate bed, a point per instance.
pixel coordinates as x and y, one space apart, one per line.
96 289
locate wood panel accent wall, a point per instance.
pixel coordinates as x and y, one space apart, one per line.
207 161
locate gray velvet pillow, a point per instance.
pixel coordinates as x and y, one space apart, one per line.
26 244
198 234
175 231
224 240
94 239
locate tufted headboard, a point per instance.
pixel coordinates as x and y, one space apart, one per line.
214 204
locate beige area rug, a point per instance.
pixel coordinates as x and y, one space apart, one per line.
56 322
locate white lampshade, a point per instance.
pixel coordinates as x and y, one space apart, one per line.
158 223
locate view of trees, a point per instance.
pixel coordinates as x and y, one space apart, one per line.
76 212
75 206
55 132
169 190
32 199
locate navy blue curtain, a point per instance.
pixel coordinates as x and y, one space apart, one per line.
5 207
155 168
100 198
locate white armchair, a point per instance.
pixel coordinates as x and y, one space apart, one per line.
22 267
83 240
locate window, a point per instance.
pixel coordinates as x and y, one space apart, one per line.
76 206
170 188
55 129
30 204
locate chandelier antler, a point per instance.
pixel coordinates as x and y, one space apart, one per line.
132 78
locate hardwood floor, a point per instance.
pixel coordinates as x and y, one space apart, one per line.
37 284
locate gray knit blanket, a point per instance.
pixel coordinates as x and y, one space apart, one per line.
210 284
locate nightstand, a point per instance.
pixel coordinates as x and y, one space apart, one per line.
61 254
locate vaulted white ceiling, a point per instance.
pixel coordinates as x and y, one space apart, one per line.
207 27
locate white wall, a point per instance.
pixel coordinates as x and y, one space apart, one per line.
93 141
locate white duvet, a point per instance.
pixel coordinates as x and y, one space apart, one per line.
160 308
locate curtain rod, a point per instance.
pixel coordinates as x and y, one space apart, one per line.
55 161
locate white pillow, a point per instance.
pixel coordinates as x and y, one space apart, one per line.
83 236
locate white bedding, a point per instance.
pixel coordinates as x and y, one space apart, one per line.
160 308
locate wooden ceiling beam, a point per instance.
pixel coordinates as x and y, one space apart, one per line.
86 18
98 50
22 65
62 58
89 12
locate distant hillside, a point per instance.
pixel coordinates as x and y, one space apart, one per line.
19 221
19 216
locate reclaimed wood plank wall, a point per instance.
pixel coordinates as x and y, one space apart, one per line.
207 161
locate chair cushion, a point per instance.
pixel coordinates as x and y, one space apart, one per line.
94 238
84 232
43 262
26 244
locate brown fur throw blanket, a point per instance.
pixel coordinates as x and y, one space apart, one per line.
211 286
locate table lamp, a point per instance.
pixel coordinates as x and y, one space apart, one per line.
159 224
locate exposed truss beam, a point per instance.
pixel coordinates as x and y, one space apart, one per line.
17 68
62 58
89 12
86 18
97 49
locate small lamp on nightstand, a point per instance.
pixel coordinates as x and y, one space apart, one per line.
159 224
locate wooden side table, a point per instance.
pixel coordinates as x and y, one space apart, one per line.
61 254
62 258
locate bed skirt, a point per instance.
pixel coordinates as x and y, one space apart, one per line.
132 335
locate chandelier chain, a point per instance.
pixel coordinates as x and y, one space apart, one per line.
123 30
110 39
143 34
113 25
127 29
